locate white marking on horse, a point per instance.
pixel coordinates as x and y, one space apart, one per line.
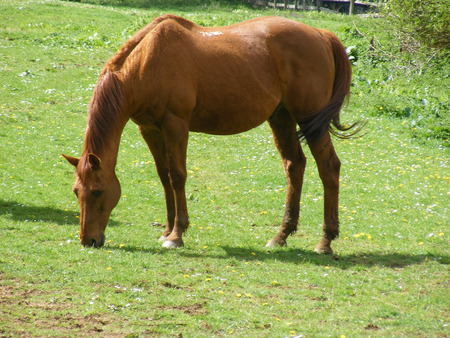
211 33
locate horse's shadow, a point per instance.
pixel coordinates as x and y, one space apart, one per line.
19 212
391 260
342 261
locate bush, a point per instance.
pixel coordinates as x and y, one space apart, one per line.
421 22
407 85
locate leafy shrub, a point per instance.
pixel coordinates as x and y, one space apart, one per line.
422 22
406 84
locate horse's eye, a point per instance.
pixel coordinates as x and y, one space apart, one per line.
97 193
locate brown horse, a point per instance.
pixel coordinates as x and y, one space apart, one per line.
174 76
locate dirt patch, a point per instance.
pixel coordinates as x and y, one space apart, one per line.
28 311
371 326
192 310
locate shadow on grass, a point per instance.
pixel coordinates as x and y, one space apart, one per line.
29 213
369 259
391 260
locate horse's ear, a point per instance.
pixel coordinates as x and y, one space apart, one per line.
94 161
72 160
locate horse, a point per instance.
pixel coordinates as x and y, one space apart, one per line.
174 76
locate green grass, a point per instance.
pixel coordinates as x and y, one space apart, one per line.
390 274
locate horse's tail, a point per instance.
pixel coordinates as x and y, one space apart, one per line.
323 120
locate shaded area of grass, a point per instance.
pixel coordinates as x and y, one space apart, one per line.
19 212
344 261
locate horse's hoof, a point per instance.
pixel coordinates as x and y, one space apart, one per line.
273 243
323 250
172 244
162 239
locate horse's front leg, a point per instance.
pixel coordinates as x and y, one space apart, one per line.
157 145
176 131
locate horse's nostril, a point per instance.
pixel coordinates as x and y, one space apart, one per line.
93 243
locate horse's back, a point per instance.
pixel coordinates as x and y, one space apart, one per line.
230 79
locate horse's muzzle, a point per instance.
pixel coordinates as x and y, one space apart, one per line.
95 242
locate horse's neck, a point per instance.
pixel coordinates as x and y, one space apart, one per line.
107 118
104 142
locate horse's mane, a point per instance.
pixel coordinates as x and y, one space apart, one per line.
104 111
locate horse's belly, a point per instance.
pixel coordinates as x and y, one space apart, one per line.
228 122
234 106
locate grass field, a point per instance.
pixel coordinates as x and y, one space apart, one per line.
390 274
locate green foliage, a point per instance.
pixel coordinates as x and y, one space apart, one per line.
426 22
407 85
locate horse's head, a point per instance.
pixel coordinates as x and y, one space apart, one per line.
98 192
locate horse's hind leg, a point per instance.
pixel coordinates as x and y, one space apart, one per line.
328 165
294 162
157 146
